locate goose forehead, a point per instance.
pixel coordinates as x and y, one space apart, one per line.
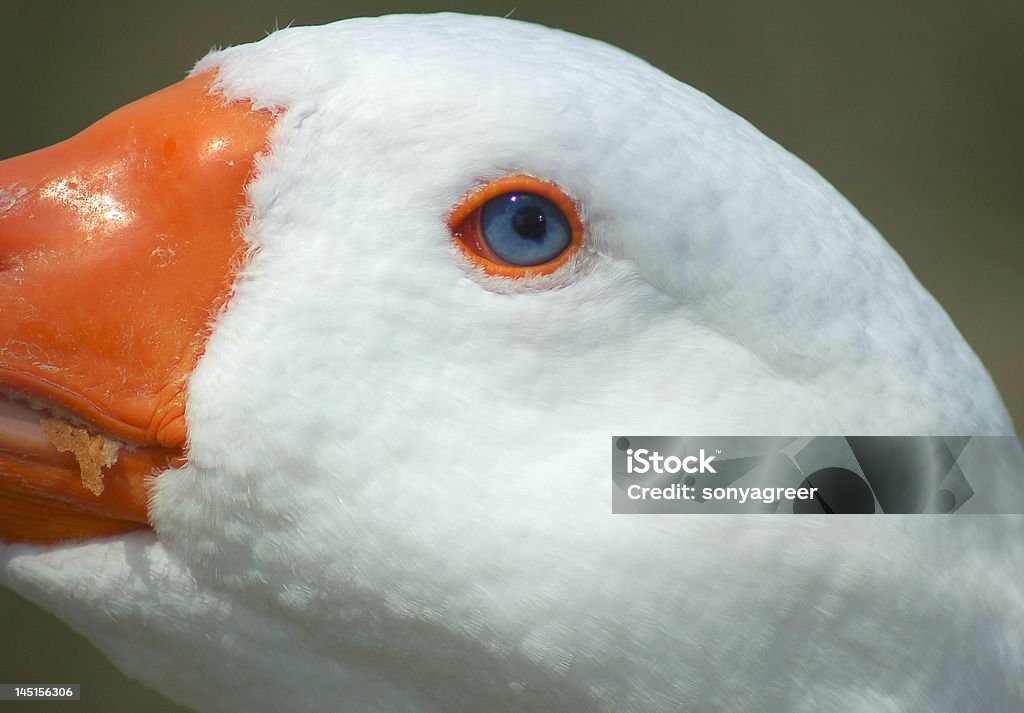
484 92
294 62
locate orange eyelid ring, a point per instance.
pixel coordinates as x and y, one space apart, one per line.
464 222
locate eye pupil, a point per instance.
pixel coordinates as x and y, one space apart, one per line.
529 223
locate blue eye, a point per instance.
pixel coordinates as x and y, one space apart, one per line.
524 229
517 226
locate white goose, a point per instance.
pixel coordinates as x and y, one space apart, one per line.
395 495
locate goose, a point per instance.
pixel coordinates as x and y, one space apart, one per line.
319 354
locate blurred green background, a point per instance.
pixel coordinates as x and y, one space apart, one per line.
915 111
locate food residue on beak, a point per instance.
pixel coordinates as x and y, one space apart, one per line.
93 453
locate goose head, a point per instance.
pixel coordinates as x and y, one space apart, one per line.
394 494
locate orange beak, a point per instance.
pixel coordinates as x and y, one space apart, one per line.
118 247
